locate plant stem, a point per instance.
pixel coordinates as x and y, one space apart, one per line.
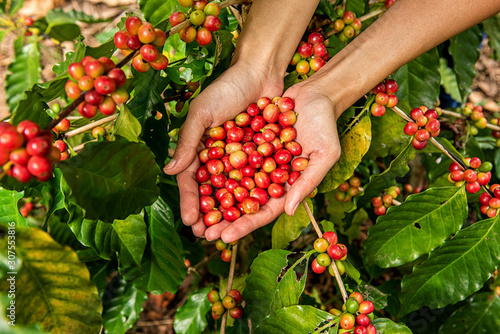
90 126
457 115
229 285
338 278
5 168
372 14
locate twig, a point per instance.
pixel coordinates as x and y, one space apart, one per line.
80 147
457 115
90 126
372 14
313 221
338 278
396 202
229 285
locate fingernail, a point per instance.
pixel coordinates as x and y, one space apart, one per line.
171 164
295 208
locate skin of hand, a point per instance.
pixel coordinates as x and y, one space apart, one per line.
225 98
321 147
258 68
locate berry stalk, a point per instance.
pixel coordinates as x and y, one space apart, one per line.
229 284
338 278
90 126
457 115
372 14
403 115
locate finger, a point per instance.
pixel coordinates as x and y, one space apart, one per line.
214 231
188 190
249 223
309 179
199 228
190 134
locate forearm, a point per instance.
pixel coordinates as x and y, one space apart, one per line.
272 31
404 32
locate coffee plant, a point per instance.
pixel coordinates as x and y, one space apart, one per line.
408 238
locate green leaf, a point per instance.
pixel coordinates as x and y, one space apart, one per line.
449 80
355 142
8 326
190 317
387 326
33 106
23 72
123 306
147 99
352 272
464 49
70 57
165 269
371 293
297 319
390 137
273 283
53 287
357 6
287 228
156 11
398 168
62 26
416 227
52 195
11 7
492 29
127 126
478 315
456 270
111 180
127 237
418 80
9 212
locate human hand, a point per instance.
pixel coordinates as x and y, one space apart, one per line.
226 97
317 133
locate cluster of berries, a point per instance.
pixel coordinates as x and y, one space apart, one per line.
385 201
311 55
26 209
329 250
142 36
356 315
347 27
426 125
249 159
384 97
225 249
348 189
231 302
476 116
102 83
490 205
476 175
26 151
203 17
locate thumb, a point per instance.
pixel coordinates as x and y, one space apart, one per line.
190 134
307 181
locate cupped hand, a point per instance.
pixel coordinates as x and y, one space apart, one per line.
317 133
239 86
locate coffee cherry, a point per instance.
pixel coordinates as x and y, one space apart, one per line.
347 321
318 269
